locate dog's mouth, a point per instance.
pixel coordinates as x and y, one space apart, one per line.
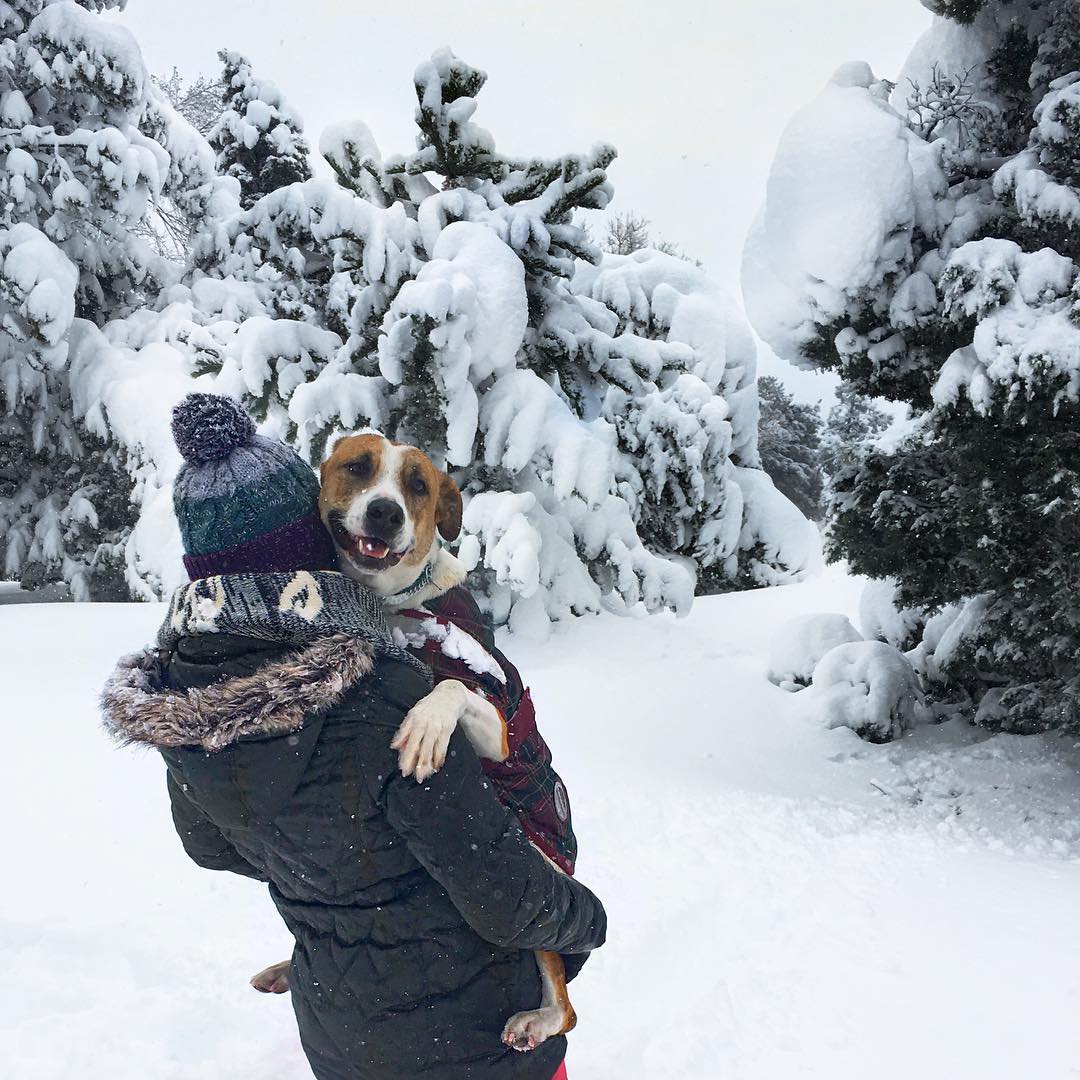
365 552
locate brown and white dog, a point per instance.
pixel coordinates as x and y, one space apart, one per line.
385 504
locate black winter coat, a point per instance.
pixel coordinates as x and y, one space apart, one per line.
414 907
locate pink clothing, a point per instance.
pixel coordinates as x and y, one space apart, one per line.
561 1074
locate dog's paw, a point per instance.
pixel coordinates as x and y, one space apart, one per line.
423 737
272 980
525 1031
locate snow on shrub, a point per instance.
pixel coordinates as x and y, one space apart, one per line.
881 619
866 686
800 643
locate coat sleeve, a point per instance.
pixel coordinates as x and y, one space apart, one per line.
474 847
202 839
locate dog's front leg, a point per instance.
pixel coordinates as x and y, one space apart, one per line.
424 735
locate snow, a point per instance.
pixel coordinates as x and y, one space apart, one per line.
348 144
41 281
473 288
847 188
799 644
1037 195
867 686
881 620
790 544
103 51
453 642
659 292
785 900
1025 338
429 79
949 45
109 397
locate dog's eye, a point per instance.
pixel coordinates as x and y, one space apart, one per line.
361 467
417 484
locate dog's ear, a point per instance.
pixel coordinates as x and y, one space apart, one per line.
448 508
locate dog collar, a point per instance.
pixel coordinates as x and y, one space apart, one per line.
418 586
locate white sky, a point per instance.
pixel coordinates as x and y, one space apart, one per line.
693 93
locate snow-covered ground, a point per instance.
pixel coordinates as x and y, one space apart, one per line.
785 901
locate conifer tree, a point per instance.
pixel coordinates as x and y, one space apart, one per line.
789 441
851 424
88 143
258 138
950 283
598 411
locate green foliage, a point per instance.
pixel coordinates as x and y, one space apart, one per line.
974 505
963 11
258 138
851 423
789 442
448 143
90 144
980 506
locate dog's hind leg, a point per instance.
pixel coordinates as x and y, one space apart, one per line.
272 980
556 1016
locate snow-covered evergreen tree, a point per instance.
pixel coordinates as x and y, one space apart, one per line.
851 425
88 143
922 242
789 441
259 139
598 411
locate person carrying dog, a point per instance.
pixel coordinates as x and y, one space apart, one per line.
273 694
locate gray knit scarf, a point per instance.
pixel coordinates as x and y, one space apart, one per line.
287 607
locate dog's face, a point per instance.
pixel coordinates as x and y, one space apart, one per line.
382 502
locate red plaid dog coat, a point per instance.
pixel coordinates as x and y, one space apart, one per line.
525 782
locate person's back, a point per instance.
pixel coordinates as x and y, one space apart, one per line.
273 698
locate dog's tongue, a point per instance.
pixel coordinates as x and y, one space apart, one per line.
374 549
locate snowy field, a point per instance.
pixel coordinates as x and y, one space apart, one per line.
784 901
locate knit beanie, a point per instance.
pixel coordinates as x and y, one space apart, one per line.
244 503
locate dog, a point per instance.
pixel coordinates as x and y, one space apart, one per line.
385 505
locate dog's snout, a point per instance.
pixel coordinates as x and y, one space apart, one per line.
385 515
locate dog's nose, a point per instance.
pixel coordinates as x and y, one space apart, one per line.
386 515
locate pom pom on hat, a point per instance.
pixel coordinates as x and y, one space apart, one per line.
209 427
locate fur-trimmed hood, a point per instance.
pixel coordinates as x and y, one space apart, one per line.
272 701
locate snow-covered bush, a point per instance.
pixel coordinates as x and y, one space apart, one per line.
866 686
88 143
800 643
881 619
922 242
599 412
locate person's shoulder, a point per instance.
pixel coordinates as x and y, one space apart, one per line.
384 695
